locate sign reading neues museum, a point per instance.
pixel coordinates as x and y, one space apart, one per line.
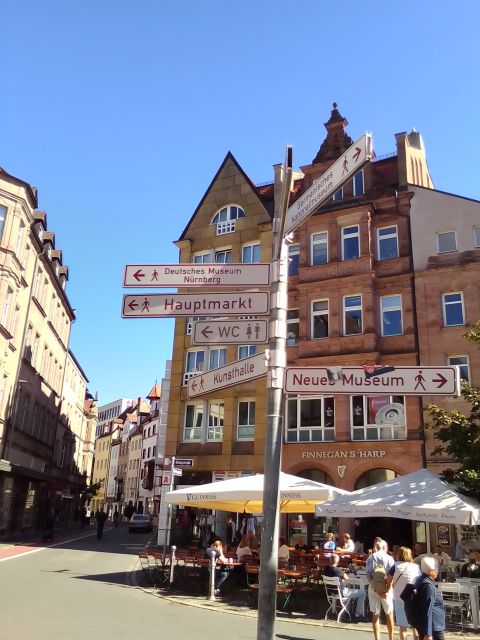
414 381
228 376
197 275
164 305
354 158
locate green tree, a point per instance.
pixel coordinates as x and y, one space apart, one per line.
459 434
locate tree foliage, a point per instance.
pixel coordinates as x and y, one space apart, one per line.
459 435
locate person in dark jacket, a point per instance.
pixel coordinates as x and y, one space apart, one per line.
101 518
429 602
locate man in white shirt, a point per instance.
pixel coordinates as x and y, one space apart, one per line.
348 544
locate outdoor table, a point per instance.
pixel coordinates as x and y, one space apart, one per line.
358 581
467 586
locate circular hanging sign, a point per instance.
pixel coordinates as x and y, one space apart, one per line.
393 414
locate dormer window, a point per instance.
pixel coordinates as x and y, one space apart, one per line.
226 217
49 251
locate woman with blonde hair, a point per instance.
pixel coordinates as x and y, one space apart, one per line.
403 572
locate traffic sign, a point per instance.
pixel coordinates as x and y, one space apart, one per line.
398 381
197 275
184 462
354 158
230 331
228 376
177 472
166 305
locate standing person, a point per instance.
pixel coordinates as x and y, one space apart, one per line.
380 594
334 571
230 525
100 518
430 612
404 572
116 518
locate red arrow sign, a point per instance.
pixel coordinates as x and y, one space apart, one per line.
357 153
440 379
194 385
133 305
138 275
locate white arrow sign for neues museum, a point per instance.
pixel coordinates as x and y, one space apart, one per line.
325 186
166 305
197 275
230 332
228 376
407 381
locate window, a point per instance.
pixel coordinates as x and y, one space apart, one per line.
293 327
453 309
6 307
215 420
246 350
310 419
217 358
446 241
462 363
293 259
476 235
3 215
387 243
358 185
190 322
251 253
223 256
391 312
350 243
320 248
378 418
352 315
226 217
202 258
194 364
338 195
246 420
320 319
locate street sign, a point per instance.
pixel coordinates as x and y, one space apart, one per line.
228 376
197 275
230 331
184 462
177 472
398 381
166 305
165 478
354 158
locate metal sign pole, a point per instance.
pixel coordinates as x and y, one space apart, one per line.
267 596
169 512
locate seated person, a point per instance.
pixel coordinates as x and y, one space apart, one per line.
215 550
329 544
471 569
348 544
243 549
301 546
334 571
443 559
283 550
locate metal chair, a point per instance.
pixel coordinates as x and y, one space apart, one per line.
456 603
335 598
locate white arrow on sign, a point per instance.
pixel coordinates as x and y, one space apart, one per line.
354 158
197 275
405 381
230 332
228 376
166 305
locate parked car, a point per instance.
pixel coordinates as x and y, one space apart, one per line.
140 522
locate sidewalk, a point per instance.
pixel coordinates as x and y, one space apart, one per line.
21 543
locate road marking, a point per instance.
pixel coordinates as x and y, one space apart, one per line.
22 554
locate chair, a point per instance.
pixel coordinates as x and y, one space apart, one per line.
252 571
284 589
146 567
335 599
456 603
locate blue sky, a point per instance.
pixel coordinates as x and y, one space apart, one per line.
121 113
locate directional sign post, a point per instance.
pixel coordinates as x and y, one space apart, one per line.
400 381
354 158
165 305
230 332
197 275
228 376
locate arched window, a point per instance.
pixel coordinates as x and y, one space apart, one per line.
374 476
317 475
226 217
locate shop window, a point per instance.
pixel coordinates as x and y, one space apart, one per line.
378 418
310 419
374 476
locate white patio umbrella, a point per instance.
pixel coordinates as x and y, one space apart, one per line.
416 496
297 495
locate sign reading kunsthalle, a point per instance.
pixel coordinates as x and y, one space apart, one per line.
228 376
165 305
197 275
